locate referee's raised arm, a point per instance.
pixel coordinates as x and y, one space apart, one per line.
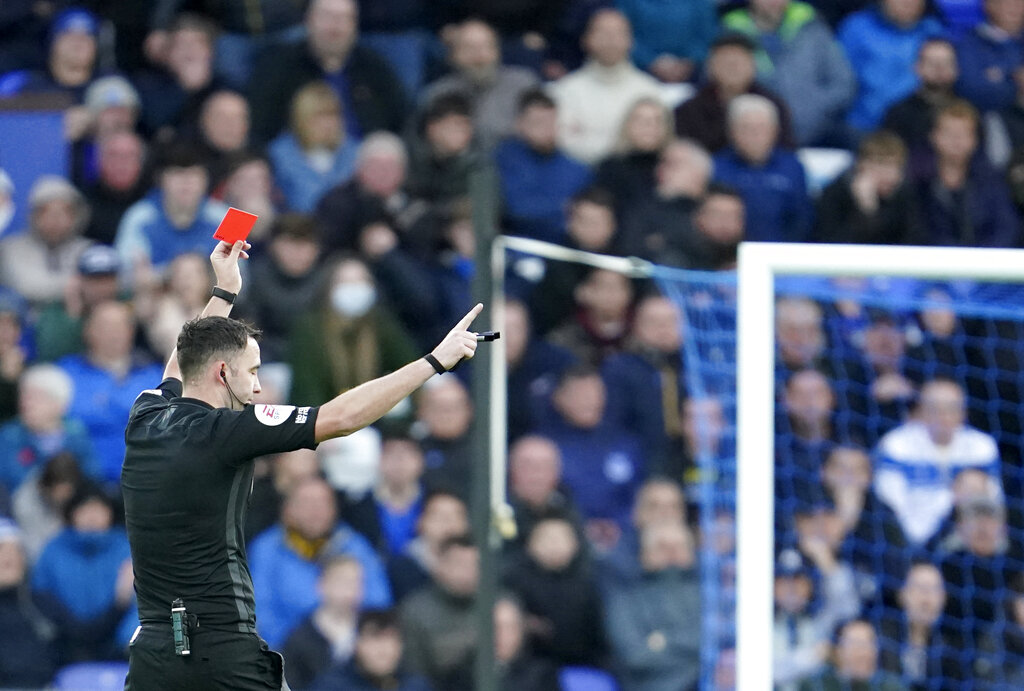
358 407
224 259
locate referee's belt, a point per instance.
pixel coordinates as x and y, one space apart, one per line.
195 629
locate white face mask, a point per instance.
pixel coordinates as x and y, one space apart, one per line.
353 299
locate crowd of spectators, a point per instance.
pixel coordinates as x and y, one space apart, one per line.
666 130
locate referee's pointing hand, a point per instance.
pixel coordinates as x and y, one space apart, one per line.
459 343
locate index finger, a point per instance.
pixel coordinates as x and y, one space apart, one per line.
470 316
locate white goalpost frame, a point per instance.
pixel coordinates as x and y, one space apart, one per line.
759 263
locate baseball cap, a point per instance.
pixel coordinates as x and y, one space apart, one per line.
74 19
791 563
108 92
99 260
9 531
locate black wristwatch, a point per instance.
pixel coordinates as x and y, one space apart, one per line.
224 295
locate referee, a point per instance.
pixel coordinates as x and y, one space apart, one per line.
186 480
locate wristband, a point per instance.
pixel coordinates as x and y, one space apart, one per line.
438 367
224 295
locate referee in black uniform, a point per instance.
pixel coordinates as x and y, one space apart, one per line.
186 480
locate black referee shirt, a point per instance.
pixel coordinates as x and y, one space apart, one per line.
186 481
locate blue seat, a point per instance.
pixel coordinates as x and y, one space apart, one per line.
91 676
586 679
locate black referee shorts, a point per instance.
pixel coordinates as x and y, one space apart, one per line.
220 661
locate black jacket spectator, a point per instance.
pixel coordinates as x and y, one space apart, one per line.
841 219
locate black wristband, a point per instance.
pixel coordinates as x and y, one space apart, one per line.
435 363
224 295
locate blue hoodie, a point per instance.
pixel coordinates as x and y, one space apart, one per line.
681 29
987 61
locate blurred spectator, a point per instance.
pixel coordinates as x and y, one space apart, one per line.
537 179
650 621
13 353
223 132
918 460
286 471
940 351
990 54
800 60
593 100
375 192
881 43
328 635
396 29
444 413
173 93
911 643
286 560
111 105
892 392
602 320
39 502
387 515
518 667
314 153
108 377
494 90
703 437
1005 642
799 333
670 40
181 296
659 501
602 465
249 184
873 542
6 201
720 222
58 328
38 263
444 516
70 61
175 217
376 660
347 338
84 581
371 96
444 150
27 654
534 366
554 580
535 479
119 183
649 369
963 201
856 663
801 631
289 273
977 571
871 203
755 158
730 72
628 172
660 228
914 117
41 431
592 227
437 622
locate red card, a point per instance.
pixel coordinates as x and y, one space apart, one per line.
235 226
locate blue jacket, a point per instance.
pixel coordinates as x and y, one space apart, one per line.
775 195
883 56
102 402
348 677
285 582
301 185
601 467
682 29
987 63
80 570
145 230
21 451
536 188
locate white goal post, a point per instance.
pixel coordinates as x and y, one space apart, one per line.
759 264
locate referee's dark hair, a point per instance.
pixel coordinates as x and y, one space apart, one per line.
203 338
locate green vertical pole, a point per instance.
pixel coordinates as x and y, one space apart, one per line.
482 191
